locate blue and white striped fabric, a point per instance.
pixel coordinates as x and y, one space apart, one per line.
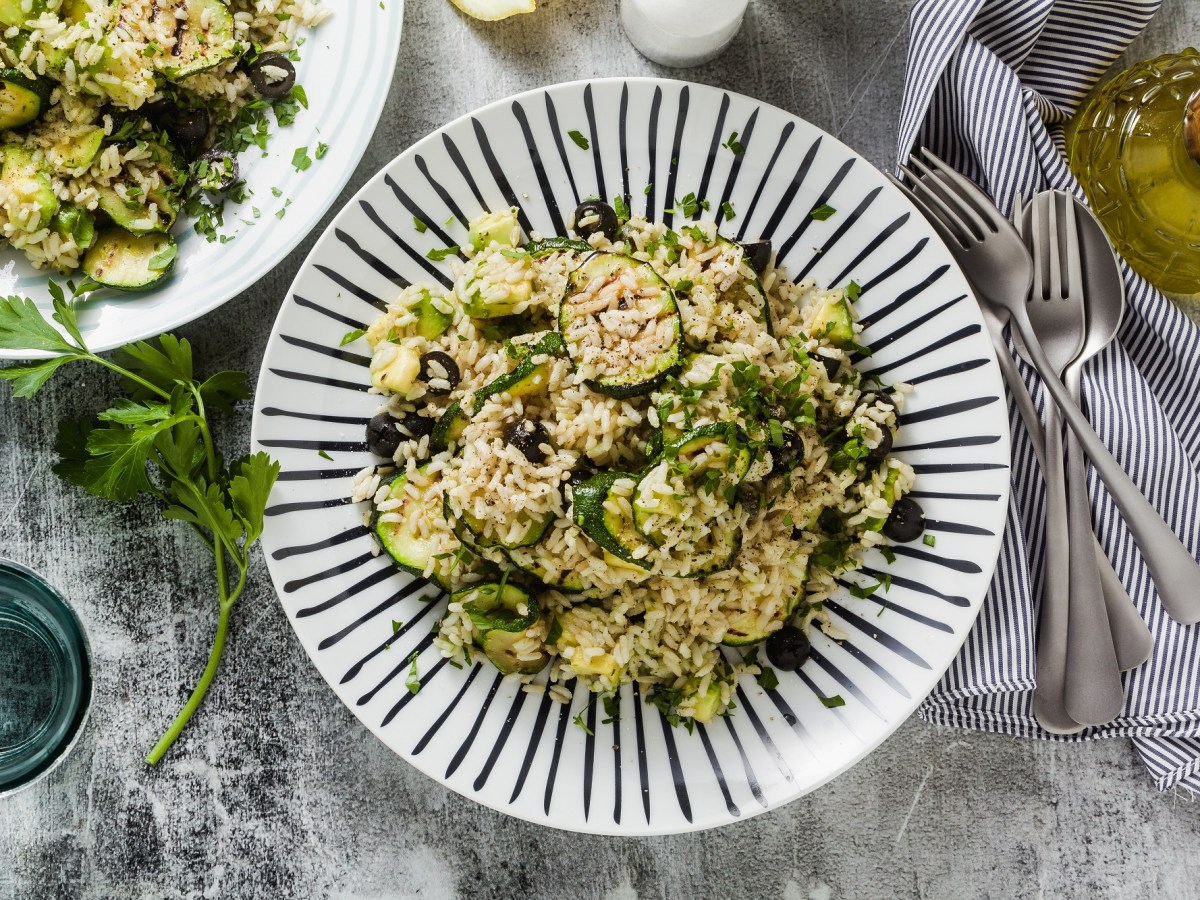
990 84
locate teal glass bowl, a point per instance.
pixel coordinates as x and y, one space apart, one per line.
45 677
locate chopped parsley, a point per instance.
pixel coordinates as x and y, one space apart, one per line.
162 260
889 555
649 187
822 212
419 225
324 455
833 702
621 207
612 709
439 255
727 210
301 160
396 626
863 591
688 205
767 678
929 540
413 681
579 139
322 149
734 145
853 291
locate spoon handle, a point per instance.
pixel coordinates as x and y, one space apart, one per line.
1048 706
1172 567
1131 638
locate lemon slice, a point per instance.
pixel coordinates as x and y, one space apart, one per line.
494 10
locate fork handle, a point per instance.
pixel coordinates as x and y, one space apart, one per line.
1172 566
1051 659
1093 693
1131 637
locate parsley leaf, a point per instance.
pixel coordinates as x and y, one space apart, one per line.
621 207
727 211
413 681
419 225
439 255
822 212
833 702
351 336
322 149
767 678
579 139
301 160
734 145
929 540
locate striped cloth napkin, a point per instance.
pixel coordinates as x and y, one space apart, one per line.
990 84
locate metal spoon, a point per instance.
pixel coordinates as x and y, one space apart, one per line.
1105 292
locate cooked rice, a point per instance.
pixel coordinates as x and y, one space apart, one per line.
93 91
629 623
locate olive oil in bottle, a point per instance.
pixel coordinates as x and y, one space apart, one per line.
1135 148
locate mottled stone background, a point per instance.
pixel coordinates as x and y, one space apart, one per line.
276 791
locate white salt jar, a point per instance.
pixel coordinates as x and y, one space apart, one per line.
682 33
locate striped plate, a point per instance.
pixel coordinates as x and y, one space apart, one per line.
346 92
653 141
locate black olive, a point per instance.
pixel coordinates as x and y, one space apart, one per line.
600 218
528 437
383 437
788 648
832 366
269 87
877 454
786 456
215 170
906 522
188 128
876 398
440 367
581 473
758 254
417 425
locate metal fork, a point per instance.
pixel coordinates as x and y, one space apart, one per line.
1092 693
1000 270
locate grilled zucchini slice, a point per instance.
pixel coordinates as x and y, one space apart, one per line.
129 262
605 295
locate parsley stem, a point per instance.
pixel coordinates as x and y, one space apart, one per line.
125 373
194 701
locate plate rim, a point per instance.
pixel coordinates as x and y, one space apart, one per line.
992 371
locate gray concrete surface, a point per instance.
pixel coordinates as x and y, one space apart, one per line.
276 791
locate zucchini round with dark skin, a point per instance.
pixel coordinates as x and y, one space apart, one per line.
498 606
608 297
449 428
21 99
613 532
203 38
526 559
403 540
531 375
129 262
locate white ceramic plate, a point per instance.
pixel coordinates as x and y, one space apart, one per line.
520 753
346 67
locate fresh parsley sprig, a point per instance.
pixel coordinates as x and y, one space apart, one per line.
156 440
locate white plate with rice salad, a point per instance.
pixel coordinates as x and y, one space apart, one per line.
641 514
174 151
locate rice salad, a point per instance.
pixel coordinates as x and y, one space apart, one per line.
118 117
632 455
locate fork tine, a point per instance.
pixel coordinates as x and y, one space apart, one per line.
938 203
1074 262
1033 240
969 191
1053 236
950 194
944 231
